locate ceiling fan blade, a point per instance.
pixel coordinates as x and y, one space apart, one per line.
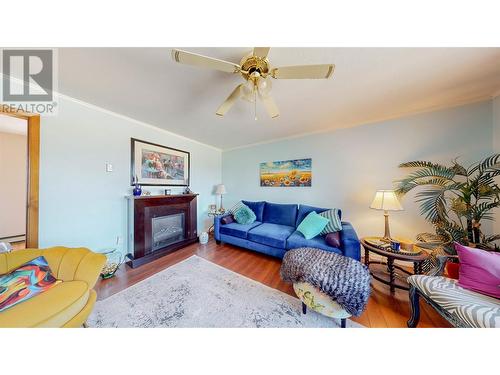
303 72
271 107
261 51
190 58
226 106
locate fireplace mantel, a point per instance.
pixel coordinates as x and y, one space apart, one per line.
143 211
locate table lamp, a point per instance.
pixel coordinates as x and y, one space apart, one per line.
220 190
388 201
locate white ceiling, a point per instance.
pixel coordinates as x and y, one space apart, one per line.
368 85
9 124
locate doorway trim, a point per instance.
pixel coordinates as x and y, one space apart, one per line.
33 177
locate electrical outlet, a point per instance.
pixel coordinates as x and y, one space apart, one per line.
109 167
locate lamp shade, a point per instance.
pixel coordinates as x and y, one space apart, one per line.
386 200
220 189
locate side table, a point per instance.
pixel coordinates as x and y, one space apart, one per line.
214 214
386 271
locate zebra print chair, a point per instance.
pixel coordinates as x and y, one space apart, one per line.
461 307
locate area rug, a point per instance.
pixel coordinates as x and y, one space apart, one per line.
199 293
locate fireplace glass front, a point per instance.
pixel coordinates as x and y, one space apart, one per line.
167 230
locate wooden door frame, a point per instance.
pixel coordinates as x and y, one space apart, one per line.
33 169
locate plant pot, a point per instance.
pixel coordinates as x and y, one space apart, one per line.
452 270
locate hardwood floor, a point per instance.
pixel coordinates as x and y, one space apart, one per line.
383 310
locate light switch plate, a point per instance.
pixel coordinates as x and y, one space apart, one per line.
109 167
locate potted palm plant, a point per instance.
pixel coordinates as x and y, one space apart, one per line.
455 200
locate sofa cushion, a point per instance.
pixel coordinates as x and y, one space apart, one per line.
282 214
257 208
244 215
274 235
312 225
297 240
304 210
227 219
479 270
334 223
469 308
53 308
238 230
25 282
333 239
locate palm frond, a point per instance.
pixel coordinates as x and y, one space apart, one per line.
433 204
459 169
420 164
491 238
481 210
490 163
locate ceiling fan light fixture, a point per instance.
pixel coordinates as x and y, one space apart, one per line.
247 91
264 85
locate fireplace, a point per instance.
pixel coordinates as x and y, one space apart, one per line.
167 230
159 225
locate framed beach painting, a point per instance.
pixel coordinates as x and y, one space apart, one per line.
286 173
153 164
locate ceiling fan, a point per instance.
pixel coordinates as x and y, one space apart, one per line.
257 73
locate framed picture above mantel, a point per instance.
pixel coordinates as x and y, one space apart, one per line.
157 165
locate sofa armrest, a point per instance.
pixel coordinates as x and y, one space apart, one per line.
349 241
439 269
217 224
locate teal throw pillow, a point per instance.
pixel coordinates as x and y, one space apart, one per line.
312 225
334 225
244 215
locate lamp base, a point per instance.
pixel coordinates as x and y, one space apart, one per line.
387 231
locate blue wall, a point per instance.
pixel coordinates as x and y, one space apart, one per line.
349 165
83 205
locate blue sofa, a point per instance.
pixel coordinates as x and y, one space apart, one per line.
274 232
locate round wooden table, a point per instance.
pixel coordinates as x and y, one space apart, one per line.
389 273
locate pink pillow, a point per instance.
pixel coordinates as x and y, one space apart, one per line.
479 270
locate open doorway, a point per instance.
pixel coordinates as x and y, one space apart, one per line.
30 130
13 189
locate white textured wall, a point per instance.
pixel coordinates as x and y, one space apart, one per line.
349 165
12 184
83 205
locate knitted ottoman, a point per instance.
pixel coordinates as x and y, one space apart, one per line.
330 284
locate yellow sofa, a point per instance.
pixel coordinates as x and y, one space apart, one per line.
67 304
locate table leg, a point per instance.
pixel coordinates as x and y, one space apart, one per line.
367 257
390 267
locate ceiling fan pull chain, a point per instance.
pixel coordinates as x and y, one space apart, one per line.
255 100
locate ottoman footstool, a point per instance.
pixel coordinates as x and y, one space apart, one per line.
330 284
320 302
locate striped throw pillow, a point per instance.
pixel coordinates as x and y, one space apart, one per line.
334 224
236 207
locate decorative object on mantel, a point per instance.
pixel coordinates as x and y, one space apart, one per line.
137 188
168 192
159 165
286 173
187 190
159 225
455 201
388 201
220 190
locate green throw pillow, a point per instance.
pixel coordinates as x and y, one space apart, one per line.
334 225
244 215
312 225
